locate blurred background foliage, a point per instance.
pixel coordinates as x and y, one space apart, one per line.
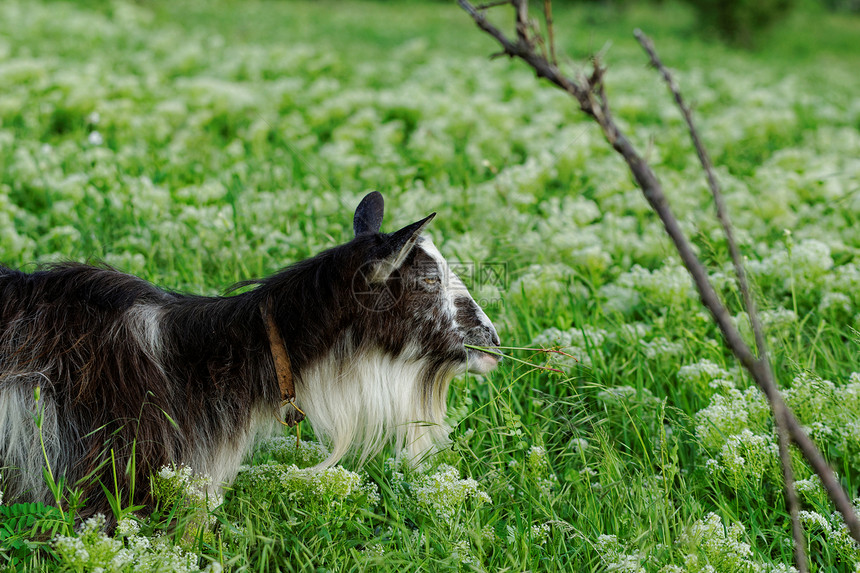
749 24
742 23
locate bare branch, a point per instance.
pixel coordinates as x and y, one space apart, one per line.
522 8
547 13
538 38
790 492
523 51
591 96
749 301
713 183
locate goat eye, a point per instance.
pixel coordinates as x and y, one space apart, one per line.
431 280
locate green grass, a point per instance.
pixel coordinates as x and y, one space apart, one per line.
198 144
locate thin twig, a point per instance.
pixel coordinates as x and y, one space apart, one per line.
790 492
547 14
538 39
749 301
716 192
592 100
522 9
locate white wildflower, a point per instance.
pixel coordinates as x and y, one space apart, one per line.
777 319
577 445
702 371
616 557
537 462
812 518
667 286
462 553
836 302
617 298
127 526
540 533
661 347
443 494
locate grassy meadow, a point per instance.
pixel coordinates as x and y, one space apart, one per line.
197 144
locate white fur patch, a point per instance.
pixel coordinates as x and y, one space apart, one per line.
375 399
20 449
454 288
221 463
144 324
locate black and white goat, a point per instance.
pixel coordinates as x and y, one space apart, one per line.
363 338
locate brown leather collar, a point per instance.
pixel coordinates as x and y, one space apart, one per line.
283 370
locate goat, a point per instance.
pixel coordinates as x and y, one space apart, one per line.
363 339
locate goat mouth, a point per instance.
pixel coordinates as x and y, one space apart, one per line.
481 362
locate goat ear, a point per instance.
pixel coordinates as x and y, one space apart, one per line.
368 214
397 247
